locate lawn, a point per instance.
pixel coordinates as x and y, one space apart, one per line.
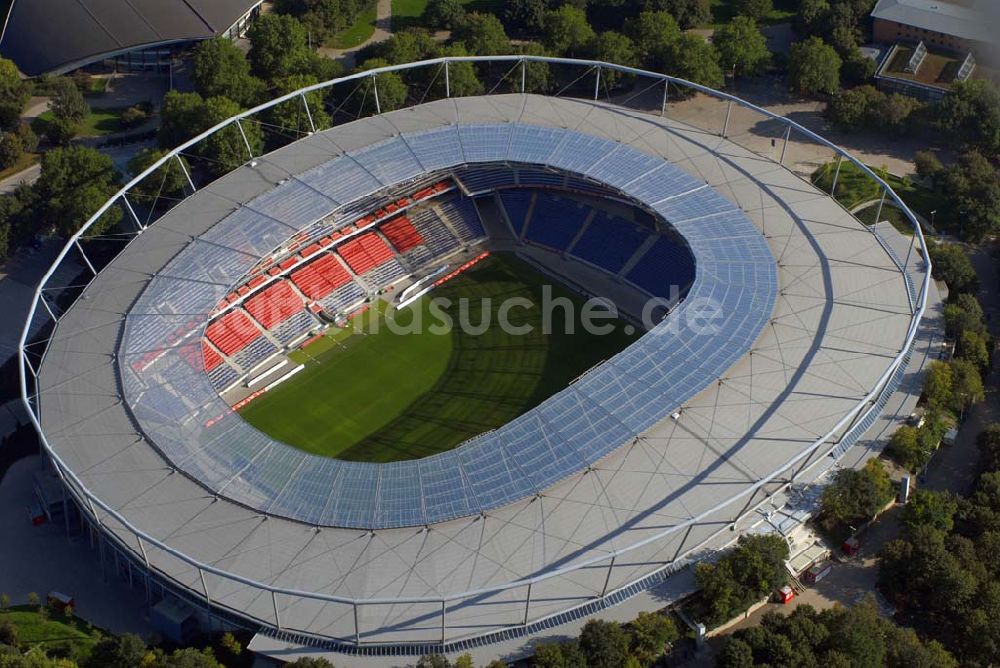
97 123
408 13
358 33
855 187
723 12
387 396
33 629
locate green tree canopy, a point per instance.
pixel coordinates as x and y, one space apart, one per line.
462 79
972 114
392 91
755 567
813 67
973 189
689 13
225 149
74 183
952 265
567 31
654 35
855 495
742 46
444 14
604 644
482 35
524 16
967 386
279 48
614 47
168 181
929 508
14 94
67 101
220 68
292 116
181 117
696 60
754 9
650 632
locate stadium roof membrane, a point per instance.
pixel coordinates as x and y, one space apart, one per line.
834 327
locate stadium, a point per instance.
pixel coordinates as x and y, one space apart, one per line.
216 396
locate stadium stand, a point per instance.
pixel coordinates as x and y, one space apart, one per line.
516 203
663 264
402 234
461 215
343 297
320 277
555 222
609 242
275 304
232 332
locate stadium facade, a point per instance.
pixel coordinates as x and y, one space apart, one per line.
655 457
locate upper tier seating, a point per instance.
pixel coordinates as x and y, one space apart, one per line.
275 304
664 264
232 332
320 277
609 242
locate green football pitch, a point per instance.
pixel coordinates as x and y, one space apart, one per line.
390 394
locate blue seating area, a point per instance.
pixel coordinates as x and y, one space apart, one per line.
609 242
255 353
461 214
664 264
480 179
343 297
516 203
555 221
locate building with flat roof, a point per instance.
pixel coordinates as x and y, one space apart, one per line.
134 34
957 25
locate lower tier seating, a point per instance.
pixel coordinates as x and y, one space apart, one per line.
609 242
663 265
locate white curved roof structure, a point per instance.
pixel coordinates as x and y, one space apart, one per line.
829 317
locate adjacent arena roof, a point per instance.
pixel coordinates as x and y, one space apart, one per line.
51 36
808 356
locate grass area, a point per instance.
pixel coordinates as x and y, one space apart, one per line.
53 629
98 122
855 187
891 214
723 12
25 161
386 396
409 13
358 33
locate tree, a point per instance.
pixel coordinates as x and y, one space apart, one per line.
854 107
309 662
567 31
904 447
321 18
125 651
952 266
225 148
14 94
279 47
11 149
973 347
971 113
813 67
696 60
988 442
939 382
292 115
220 68
650 632
524 16
654 35
73 184
604 644
483 35
392 91
927 165
972 186
167 181
614 47
67 102
558 655
444 14
461 76
537 75
742 46
464 661
856 494
968 385
736 653
929 508
181 117
409 46
433 661
753 568
689 13
754 9
811 18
